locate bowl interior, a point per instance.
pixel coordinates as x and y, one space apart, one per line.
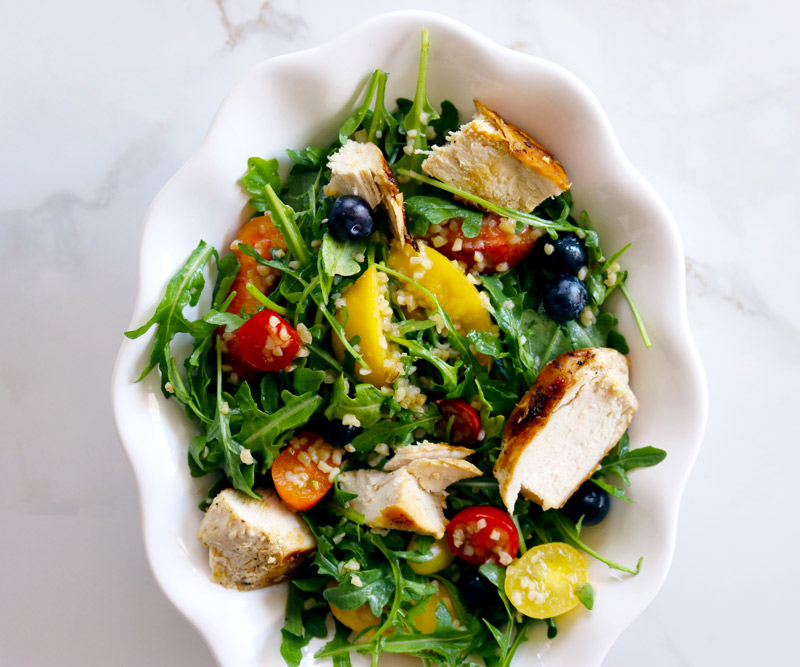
300 100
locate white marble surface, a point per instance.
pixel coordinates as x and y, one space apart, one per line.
102 102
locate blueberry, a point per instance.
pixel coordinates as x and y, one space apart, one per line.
565 297
337 434
568 254
476 590
350 219
589 501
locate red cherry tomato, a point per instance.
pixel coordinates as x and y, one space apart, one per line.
483 534
466 428
304 471
500 249
268 342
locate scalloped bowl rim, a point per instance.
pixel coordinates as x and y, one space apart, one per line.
576 129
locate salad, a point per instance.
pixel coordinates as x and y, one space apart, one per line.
396 345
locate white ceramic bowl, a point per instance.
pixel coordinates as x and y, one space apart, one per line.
301 99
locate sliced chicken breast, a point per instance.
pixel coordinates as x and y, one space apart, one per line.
360 169
411 496
497 161
576 411
253 543
425 450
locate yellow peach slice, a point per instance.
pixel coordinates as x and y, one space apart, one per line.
369 317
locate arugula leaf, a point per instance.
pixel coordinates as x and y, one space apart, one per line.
486 342
449 373
325 560
283 217
354 121
292 641
419 115
376 590
544 340
392 432
615 491
241 474
259 430
595 335
366 405
307 380
182 290
497 575
533 337
585 594
310 157
617 342
570 532
448 644
643 457
382 124
448 121
337 258
261 174
423 211
341 639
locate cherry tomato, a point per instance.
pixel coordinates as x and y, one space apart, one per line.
262 235
483 534
500 248
304 471
426 620
268 342
466 428
441 557
542 583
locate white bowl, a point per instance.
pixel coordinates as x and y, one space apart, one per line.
301 99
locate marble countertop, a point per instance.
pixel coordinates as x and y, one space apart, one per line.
102 102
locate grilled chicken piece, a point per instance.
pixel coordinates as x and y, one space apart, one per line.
425 450
492 159
412 495
361 169
253 543
576 411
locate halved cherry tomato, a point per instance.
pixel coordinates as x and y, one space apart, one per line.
441 557
483 534
543 582
426 620
466 428
262 235
268 342
304 471
499 249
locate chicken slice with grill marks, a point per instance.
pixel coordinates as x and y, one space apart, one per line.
497 161
576 411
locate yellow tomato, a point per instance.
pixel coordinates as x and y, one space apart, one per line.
441 557
457 296
425 621
542 583
368 316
